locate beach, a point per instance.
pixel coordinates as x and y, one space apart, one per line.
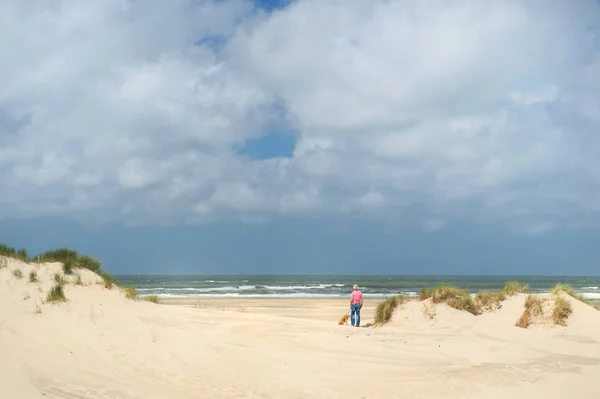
101 344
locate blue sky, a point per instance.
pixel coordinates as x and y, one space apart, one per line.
304 136
315 247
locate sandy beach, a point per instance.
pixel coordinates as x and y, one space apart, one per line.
100 344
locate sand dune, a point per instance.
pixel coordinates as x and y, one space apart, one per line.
99 344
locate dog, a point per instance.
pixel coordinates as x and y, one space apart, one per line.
344 319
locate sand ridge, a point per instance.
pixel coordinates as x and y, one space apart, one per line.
99 344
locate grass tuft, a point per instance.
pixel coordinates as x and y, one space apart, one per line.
60 279
533 307
33 277
56 294
78 280
454 297
385 309
93 264
513 288
151 298
489 300
131 292
57 255
3 262
562 310
425 293
108 280
68 266
567 289
17 273
11 252
524 321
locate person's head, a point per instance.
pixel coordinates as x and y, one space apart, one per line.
355 286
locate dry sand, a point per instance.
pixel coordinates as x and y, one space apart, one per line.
100 344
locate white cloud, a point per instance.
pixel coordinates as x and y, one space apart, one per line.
408 110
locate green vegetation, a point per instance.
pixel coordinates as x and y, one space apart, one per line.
17 273
454 297
567 289
60 279
56 294
33 277
130 292
78 280
11 252
70 258
87 262
385 309
513 288
487 301
57 255
151 298
425 293
68 266
108 280
462 299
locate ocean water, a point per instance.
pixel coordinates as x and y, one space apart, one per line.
338 285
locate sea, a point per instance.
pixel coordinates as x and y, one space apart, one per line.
323 286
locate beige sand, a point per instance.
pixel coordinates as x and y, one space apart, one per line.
101 345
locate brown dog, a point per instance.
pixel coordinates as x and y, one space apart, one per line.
344 319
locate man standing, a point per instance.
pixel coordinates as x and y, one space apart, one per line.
356 302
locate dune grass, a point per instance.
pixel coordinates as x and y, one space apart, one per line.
108 280
385 309
454 297
87 262
130 292
513 288
68 266
567 289
71 260
533 307
33 277
57 255
60 279
3 262
425 293
11 252
562 310
462 299
489 300
17 273
151 298
56 294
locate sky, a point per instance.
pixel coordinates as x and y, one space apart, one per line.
304 136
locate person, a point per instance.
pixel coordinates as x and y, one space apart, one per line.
356 303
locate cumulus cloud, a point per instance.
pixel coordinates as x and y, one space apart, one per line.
410 111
